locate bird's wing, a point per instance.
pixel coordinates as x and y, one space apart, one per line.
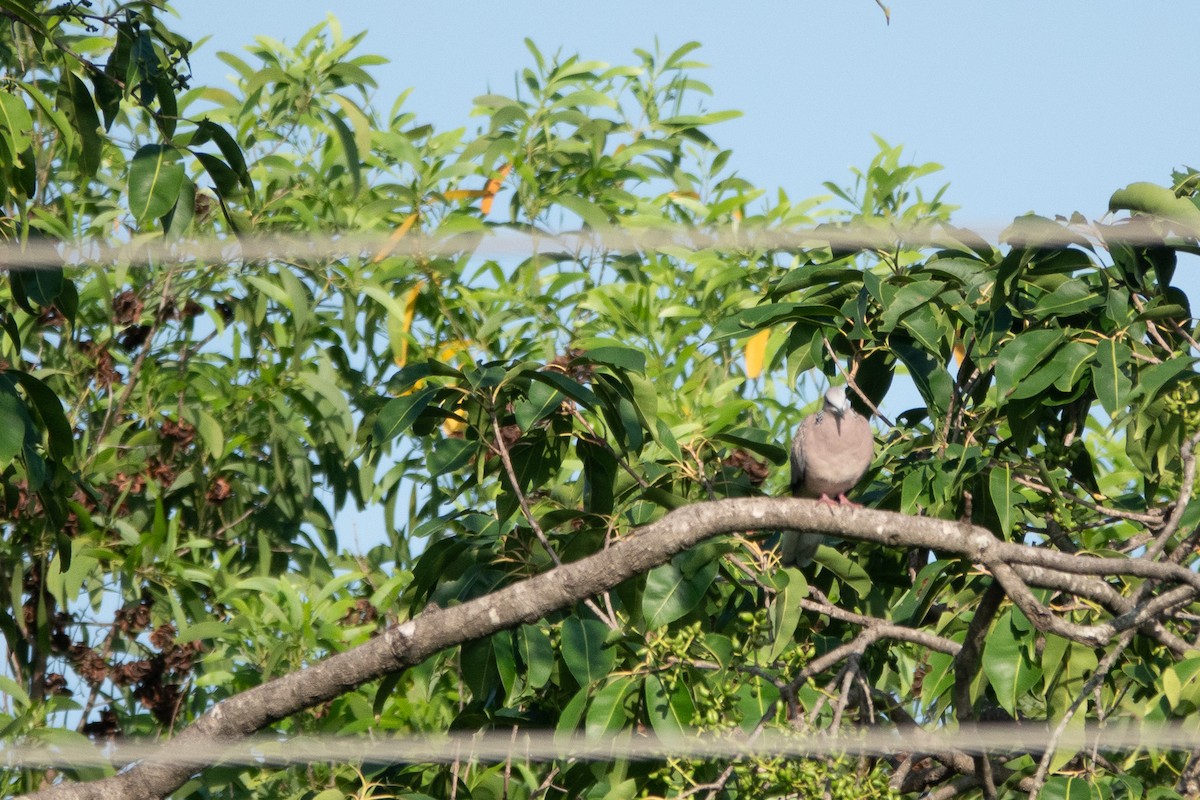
799 457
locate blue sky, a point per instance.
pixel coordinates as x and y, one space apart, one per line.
1045 107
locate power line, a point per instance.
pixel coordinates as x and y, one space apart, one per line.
540 745
867 235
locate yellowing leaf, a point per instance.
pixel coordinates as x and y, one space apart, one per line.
410 311
451 349
396 236
463 194
452 426
493 186
756 350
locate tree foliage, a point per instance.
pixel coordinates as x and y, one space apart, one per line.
179 435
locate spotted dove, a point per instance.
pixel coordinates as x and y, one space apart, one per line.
830 453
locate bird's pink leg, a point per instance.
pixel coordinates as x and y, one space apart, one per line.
826 500
842 500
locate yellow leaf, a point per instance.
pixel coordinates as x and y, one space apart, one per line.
756 350
493 186
452 348
396 236
454 426
463 194
410 310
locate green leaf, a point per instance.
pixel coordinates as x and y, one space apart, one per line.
541 402
349 147
42 286
477 660
505 658
583 649
1021 355
1060 787
225 180
672 590
848 570
1042 378
14 422
1159 201
210 434
179 219
609 709
572 713
14 692
1152 379
1006 665
210 629
592 215
670 710
537 654
931 378
915 295
1184 682
754 698
398 415
76 103
1108 375
1071 297
785 610
572 389
56 117
60 437
1077 356
756 440
449 455
387 686
614 355
15 123
1000 487
155 181
599 476
229 149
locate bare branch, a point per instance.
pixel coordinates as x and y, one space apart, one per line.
1100 592
502 449
1187 480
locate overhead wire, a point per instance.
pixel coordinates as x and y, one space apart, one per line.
870 234
544 745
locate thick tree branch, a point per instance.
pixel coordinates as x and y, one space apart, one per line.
436 629
1100 592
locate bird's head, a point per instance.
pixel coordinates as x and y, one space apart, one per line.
836 401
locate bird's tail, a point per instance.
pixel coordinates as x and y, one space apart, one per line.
796 549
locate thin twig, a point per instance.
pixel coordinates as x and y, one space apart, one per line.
850 382
114 408
502 450
596 438
1150 519
1102 669
1187 480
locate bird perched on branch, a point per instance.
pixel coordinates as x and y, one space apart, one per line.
831 451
